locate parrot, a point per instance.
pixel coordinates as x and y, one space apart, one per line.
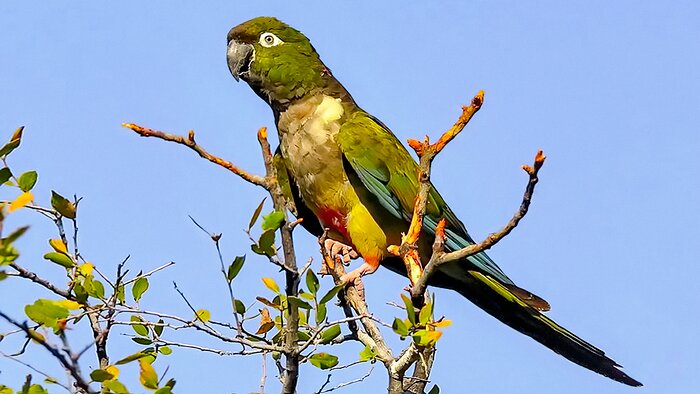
349 175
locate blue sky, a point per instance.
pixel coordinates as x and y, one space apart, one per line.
610 91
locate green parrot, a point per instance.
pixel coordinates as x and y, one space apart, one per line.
348 173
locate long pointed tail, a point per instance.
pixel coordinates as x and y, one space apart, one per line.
500 302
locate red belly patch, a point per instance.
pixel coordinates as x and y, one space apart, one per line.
334 220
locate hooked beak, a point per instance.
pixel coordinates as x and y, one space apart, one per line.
239 55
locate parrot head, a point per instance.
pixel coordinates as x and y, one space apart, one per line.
276 60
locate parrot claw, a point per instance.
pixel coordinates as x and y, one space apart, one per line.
339 251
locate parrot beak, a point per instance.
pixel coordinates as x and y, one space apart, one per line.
239 56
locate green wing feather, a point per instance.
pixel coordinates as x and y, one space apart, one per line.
389 172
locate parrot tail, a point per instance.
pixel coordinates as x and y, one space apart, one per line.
505 304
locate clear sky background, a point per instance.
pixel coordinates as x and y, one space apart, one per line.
609 90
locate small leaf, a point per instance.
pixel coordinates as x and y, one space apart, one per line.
426 338
19 202
240 307
27 181
85 269
170 383
60 259
235 268
410 309
330 334
116 387
434 390
424 315
68 304
266 323
266 244
331 293
130 358
113 370
46 312
98 289
139 328
60 247
254 218
5 175
441 323
298 302
15 140
271 284
273 220
269 303
164 350
163 390
142 341
323 360
62 205
100 375
158 328
147 375
399 327
321 312
140 287
121 296
203 315
367 354
311 281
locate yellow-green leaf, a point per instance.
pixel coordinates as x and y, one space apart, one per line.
21 201
147 375
59 247
62 205
15 140
60 259
323 360
203 315
254 218
271 284
27 181
330 334
100 375
410 310
331 293
273 220
116 387
140 287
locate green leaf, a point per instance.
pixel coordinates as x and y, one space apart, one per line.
5 175
27 181
434 390
311 281
6 390
410 309
164 350
13 144
399 327
240 308
266 244
163 390
60 259
272 285
235 268
331 293
321 312
100 375
46 312
140 287
98 289
273 220
170 383
158 328
203 315
147 375
37 389
3 275
120 293
330 334
323 360
139 328
426 337
256 214
133 357
15 235
305 295
142 341
116 387
367 354
62 205
298 302
424 315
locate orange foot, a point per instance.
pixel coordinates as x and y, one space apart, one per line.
354 277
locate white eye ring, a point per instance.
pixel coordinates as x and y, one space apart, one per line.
269 40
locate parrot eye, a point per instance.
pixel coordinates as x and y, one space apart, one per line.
269 40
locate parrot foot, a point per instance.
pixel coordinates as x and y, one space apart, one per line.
339 251
354 277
